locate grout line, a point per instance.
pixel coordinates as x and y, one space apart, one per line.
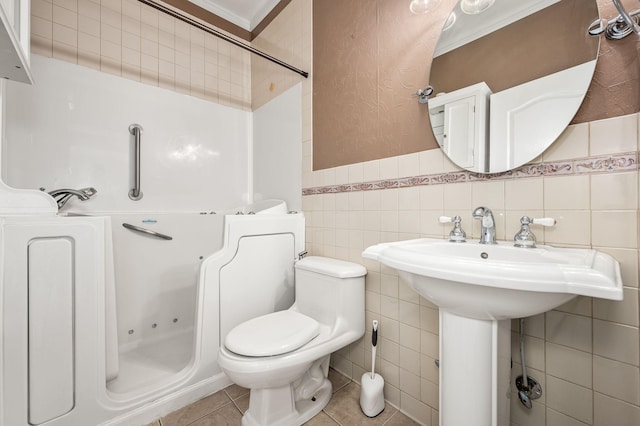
237 408
331 417
236 398
390 417
208 413
227 393
343 386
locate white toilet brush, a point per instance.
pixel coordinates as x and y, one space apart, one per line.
371 395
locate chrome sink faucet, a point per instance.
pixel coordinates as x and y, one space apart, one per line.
487 225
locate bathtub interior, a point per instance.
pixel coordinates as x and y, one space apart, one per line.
155 296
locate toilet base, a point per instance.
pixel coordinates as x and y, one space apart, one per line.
277 407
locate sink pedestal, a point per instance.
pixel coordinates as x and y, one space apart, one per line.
475 360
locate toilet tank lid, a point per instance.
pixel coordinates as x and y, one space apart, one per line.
331 267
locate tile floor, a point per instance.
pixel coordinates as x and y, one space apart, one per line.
226 408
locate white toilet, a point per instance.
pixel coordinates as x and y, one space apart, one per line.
283 357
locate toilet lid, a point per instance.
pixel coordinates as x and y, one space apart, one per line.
272 334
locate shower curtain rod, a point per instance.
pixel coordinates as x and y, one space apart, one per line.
223 36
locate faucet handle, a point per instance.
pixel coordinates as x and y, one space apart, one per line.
524 237
457 235
446 219
544 221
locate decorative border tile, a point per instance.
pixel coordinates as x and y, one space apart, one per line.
614 163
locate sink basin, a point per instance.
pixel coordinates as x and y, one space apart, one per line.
479 288
499 281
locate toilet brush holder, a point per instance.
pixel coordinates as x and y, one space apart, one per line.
372 388
371 395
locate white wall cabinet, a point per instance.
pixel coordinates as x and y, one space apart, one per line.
460 122
14 40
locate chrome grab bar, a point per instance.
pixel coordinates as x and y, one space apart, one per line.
147 231
135 194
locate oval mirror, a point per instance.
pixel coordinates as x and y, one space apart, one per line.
508 77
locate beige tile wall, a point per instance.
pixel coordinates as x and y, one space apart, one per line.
288 38
585 353
132 40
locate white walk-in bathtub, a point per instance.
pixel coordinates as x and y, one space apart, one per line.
107 325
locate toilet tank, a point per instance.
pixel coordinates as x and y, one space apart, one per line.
331 291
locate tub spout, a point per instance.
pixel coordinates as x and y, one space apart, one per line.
63 195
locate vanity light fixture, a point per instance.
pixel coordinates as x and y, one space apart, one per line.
473 7
420 7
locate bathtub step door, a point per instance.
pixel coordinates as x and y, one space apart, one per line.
52 299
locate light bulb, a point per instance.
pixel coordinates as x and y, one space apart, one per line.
473 7
420 7
450 21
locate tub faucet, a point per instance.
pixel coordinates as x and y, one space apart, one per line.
63 195
487 225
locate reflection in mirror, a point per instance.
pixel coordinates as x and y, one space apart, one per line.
509 80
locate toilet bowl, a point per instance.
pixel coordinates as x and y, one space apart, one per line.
283 357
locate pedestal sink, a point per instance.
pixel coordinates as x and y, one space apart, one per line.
479 288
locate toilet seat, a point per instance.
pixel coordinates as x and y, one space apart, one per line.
273 334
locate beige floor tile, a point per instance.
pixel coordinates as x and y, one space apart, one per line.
338 380
242 403
197 410
344 407
234 391
228 415
321 419
399 419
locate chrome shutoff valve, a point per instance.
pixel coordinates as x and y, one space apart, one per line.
457 235
525 237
